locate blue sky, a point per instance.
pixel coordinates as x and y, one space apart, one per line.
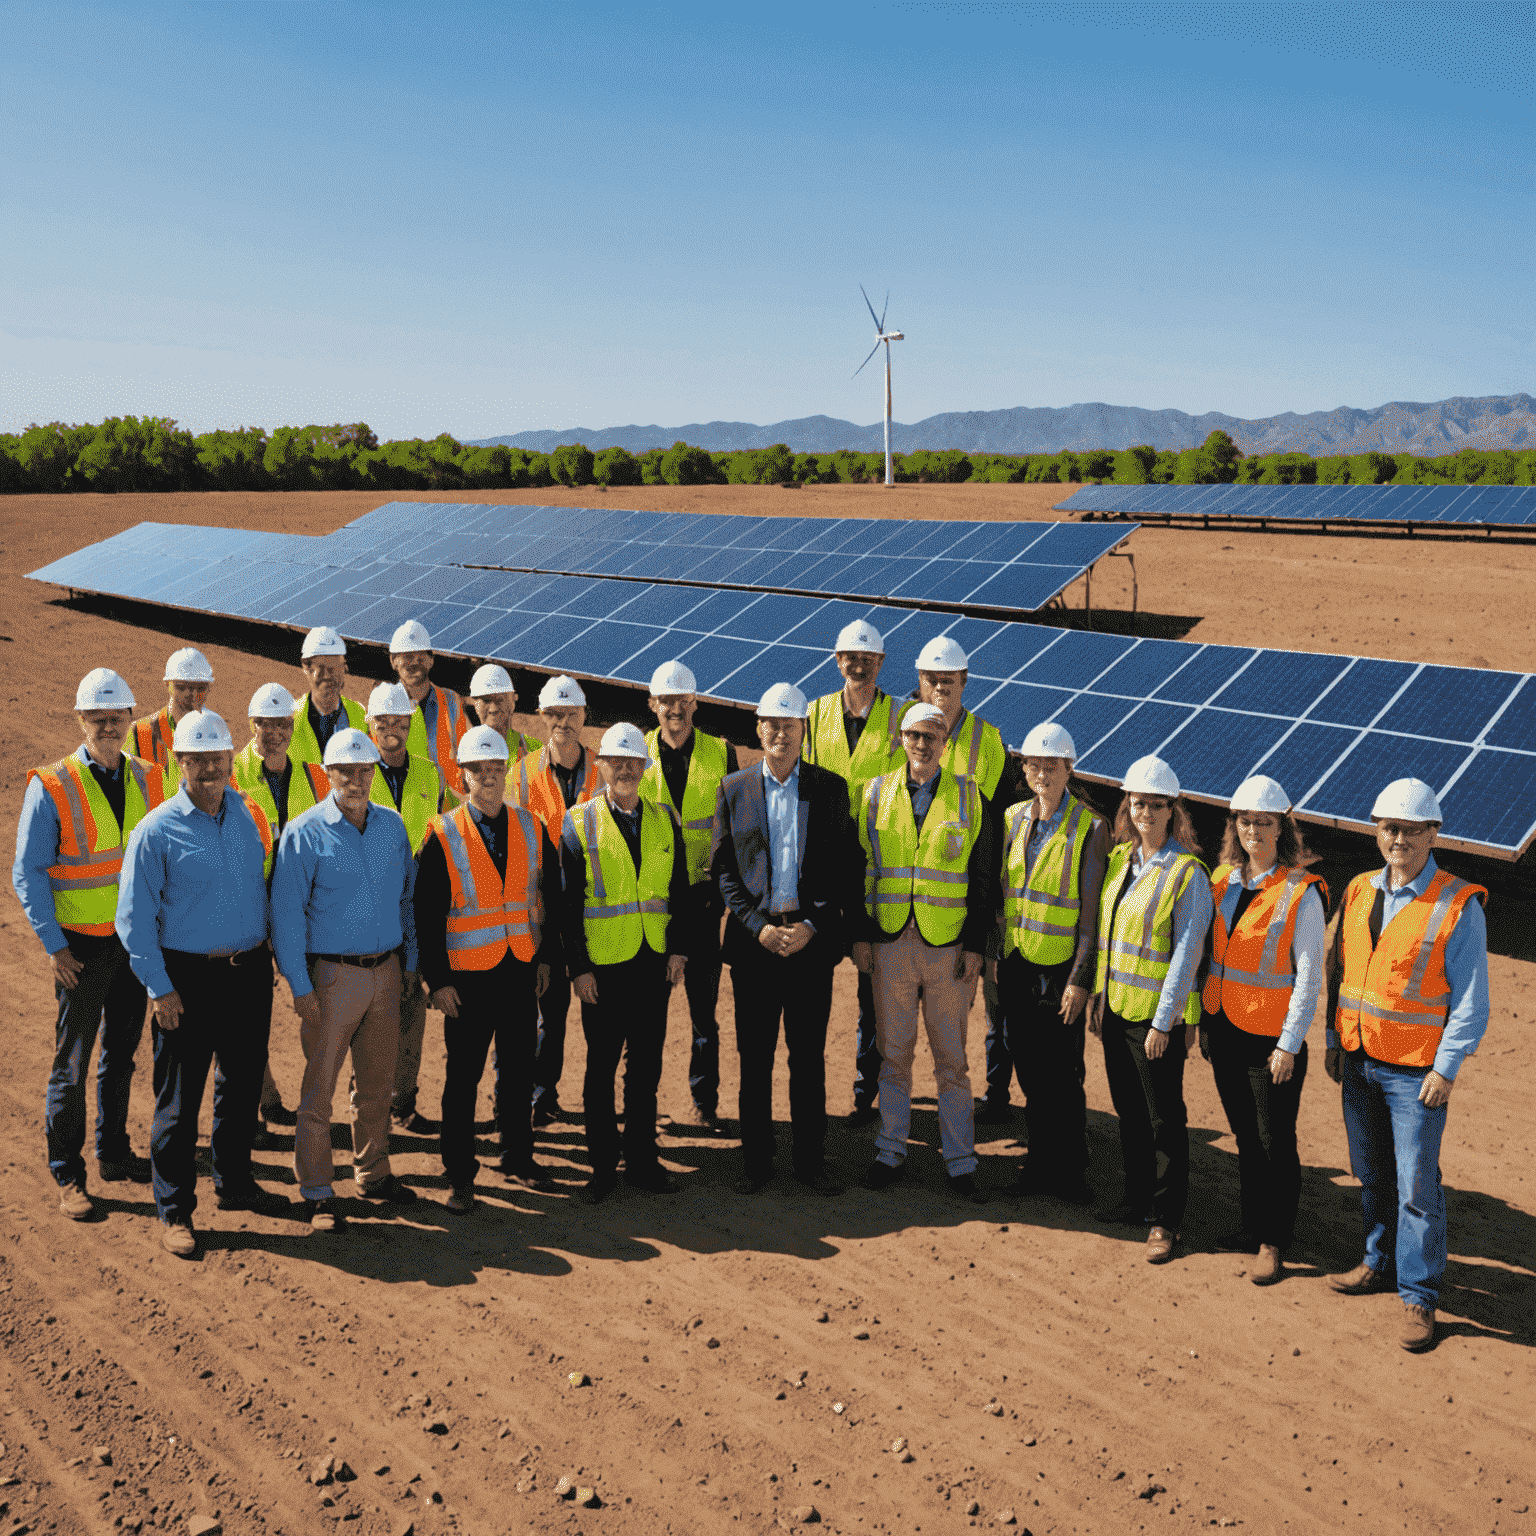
490 218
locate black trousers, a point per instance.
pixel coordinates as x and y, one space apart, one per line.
495 1007
1047 1055
701 985
226 1012
1154 1127
866 1067
1262 1115
554 1006
798 990
628 1021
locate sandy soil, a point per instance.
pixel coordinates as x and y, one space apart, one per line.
1010 1345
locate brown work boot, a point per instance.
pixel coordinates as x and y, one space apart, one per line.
1267 1268
177 1236
1160 1245
74 1202
1418 1327
1362 1280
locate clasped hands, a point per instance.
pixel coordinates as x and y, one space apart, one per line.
785 941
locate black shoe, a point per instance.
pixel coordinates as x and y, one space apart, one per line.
963 1185
414 1124
994 1114
820 1183
1026 1184
655 1181
880 1175
262 1140
529 1175
252 1197
1127 1214
752 1183
130 1169
863 1114
279 1115
545 1112
1238 1240
390 1192
598 1188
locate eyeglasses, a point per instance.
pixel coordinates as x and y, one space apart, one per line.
919 736
1408 831
777 727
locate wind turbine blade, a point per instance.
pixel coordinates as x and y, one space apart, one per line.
878 326
860 369
884 308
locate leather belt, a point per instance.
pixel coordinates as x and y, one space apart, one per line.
784 919
363 962
242 957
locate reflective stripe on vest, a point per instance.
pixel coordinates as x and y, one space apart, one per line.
489 916
538 790
1249 981
442 749
623 908
86 869
1134 960
932 861
307 784
418 797
1394 1000
305 747
706 768
975 750
878 749
1041 908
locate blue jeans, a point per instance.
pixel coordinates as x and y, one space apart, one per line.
1394 1150
107 1001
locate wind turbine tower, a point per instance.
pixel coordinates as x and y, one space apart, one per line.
882 335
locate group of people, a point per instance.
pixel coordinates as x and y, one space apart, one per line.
394 858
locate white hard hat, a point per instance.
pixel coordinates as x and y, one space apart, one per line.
1151 776
859 636
1409 799
922 712
388 699
350 746
490 679
623 741
102 688
200 730
322 640
783 702
271 702
942 654
187 666
672 677
482 745
411 636
561 693
1261 793
1049 740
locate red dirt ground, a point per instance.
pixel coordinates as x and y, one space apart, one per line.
1009 1345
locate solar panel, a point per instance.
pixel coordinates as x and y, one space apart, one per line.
1490 506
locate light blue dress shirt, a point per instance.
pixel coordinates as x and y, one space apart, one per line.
1043 832
1192 914
192 882
783 838
1308 954
922 797
338 891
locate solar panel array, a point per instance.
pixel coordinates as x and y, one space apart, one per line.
1501 506
1333 729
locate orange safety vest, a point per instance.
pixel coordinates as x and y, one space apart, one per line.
538 790
1395 998
489 916
90 858
451 725
263 828
1250 981
153 736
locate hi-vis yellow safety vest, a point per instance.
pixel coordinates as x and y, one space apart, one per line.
878 750
305 748
919 872
1041 909
85 871
624 909
488 915
706 768
307 784
150 739
441 750
974 750
418 797
1134 959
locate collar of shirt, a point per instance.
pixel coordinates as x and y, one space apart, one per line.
686 750
630 816
330 811
1237 877
1415 887
771 780
183 803
955 729
83 752
337 716
1164 855
428 708
849 713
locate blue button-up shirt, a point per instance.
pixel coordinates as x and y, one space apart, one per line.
338 891
783 838
1308 953
922 797
192 882
1041 834
1192 914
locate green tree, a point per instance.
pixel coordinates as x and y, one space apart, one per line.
805 468
650 466
616 466
488 468
571 464
1333 469
47 455
684 465
138 453
11 477
231 459
538 470
1222 456
1098 465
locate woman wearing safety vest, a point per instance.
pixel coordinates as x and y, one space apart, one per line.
1154 914
626 932
481 884
1265 981
1054 853
1410 960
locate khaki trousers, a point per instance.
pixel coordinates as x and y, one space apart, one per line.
360 1013
413 1035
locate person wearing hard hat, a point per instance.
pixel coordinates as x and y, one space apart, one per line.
193 918
929 897
784 860
627 931
408 781
1053 858
188 678
344 929
322 711
494 699
1154 915
855 732
975 748
438 721
486 875
1408 980
685 773
76 815
1266 977
559 775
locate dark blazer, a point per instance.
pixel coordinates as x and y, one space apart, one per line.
741 863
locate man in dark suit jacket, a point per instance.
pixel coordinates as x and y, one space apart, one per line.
782 855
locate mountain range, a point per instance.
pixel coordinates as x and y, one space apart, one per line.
1444 426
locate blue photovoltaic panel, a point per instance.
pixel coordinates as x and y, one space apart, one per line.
1144 730
1491 801
1217 748
1363 692
1496 506
1375 760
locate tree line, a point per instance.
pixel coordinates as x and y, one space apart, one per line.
152 453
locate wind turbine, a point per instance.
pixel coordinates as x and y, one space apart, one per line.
881 334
